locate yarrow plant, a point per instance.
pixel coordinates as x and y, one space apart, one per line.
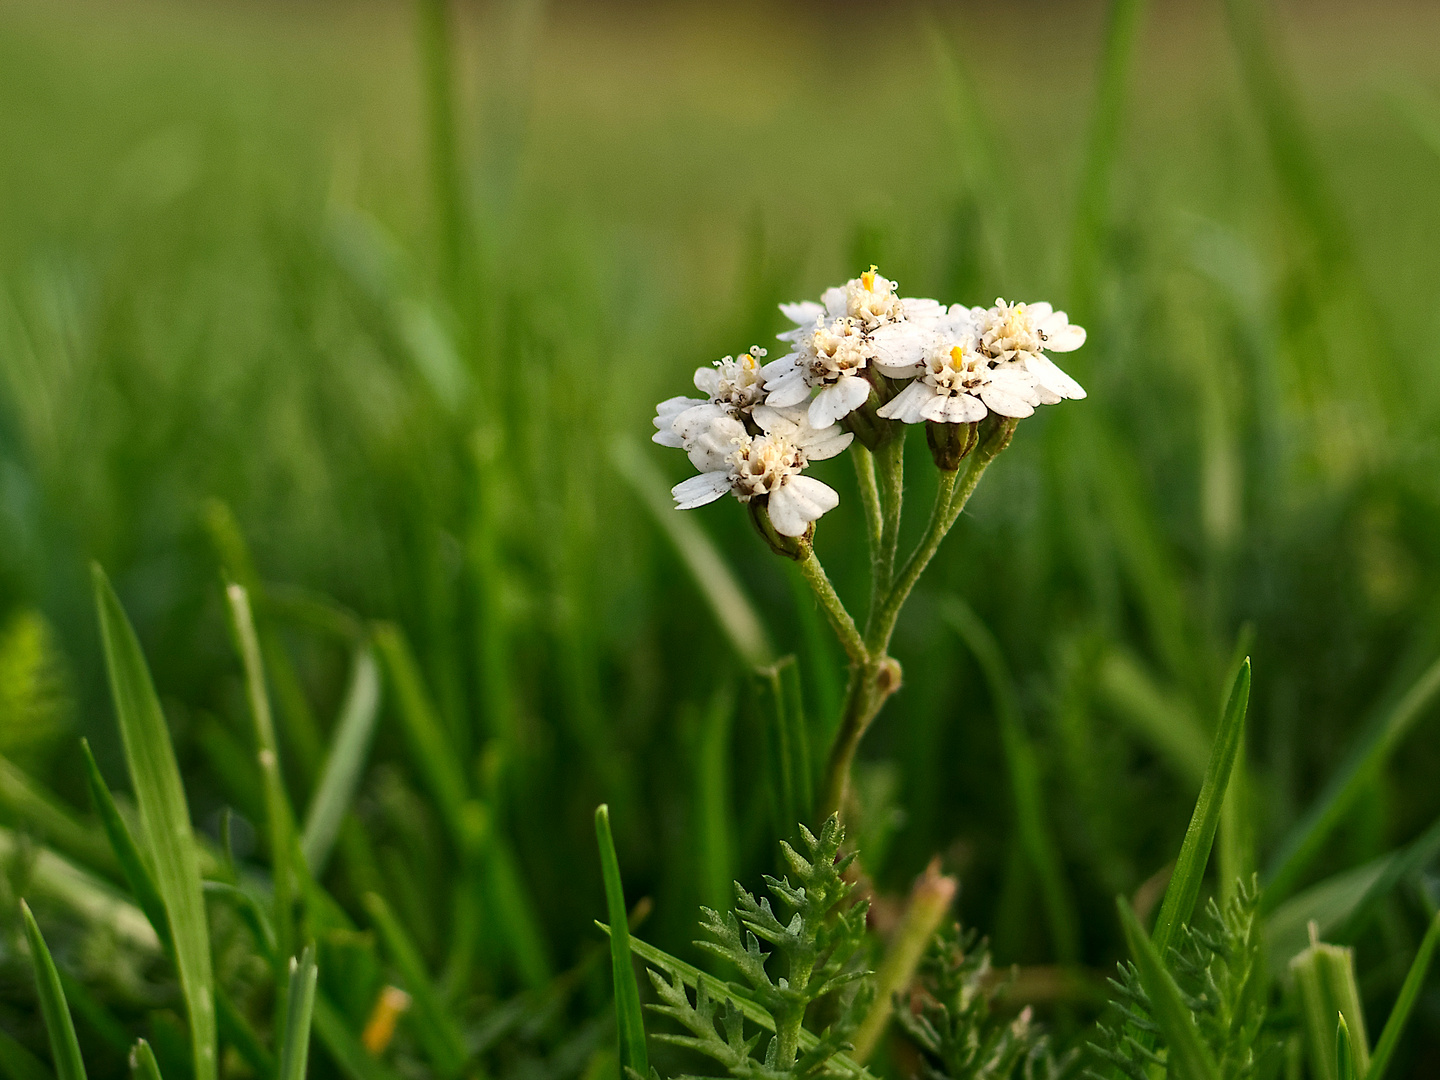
863 364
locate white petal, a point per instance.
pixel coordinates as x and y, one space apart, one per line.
835 301
667 438
707 380
964 409
665 415
1041 310
780 367
1049 377
801 500
802 314
699 490
839 400
792 389
898 348
1060 336
1004 403
708 433
906 405
829 442
935 408
919 309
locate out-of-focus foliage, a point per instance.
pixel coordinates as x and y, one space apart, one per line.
236 262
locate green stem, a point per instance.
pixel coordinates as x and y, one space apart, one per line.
869 494
892 490
883 623
840 619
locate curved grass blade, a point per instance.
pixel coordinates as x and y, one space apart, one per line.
143 1065
1409 861
1365 761
132 863
164 815
629 1020
344 1048
712 575
1188 1055
1184 887
345 763
1404 1004
279 818
1026 783
18 1063
300 1004
51 819
64 1047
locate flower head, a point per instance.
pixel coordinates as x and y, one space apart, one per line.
835 341
735 382
1019 333
957 384
767 465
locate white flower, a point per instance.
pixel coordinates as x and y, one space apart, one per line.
957 384
835 340
769 464
735 382
1017 333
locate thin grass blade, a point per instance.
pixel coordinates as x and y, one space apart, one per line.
1188 1054
164 815
64 1047
1184 887
1344 1057
1404 1004
143 1065
18 1063
300 1004
350 1057
1026 783
732 608
1374 748
349 751
629 1020
435 1027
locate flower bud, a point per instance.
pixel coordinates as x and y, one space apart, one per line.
792 547
949 443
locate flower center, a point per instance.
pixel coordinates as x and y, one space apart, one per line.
761 464
838 349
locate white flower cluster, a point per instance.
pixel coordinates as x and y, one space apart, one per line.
758 426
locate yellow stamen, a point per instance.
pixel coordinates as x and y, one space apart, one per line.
868 278
957 356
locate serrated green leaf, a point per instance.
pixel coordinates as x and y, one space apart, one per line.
1187 1053
164 816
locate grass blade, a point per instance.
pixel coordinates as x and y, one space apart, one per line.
737 617
51 820
1404 1004
344 1048
629 1020
1122 30
64 1047
1026 783
164 815
424 733
143 1065
1364 763
345 764
132 864
435 1026
1324 975
1188 1055
1184 887
18 1063
1410 861
715 844
1344 1058
279 818
300 1003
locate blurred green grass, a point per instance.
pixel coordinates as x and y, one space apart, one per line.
220 276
